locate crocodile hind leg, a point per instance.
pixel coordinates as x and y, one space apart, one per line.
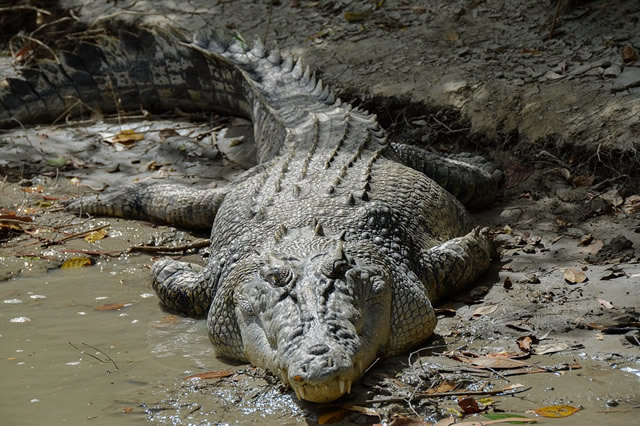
473 180
174 204
451 266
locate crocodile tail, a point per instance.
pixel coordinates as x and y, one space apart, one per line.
155 71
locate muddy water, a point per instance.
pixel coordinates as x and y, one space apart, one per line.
64 362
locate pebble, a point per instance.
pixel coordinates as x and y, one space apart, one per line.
613 71
629 78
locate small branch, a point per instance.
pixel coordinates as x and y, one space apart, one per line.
14 8
103 353
79 234
446 394
166 249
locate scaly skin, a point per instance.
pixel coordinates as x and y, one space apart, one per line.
325 256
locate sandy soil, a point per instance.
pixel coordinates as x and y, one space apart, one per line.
560 116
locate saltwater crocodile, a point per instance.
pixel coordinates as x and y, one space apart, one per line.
326 255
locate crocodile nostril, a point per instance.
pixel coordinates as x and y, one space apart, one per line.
318 349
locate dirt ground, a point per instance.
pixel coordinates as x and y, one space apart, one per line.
559 310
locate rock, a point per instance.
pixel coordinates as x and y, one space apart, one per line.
629 78
613 71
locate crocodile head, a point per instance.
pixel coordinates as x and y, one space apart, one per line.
318 321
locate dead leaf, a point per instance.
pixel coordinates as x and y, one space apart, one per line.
586 239
447 421
582 180
556 411
573 276
550 348
127 409
94 236
485 310
592 248
126 137
362 410
469 406
516 173
332 416
525 342
631 204
400 420
606 304
111 306
629 54
77 262
496 363
217 374
444 386
32 189
357 16
508 284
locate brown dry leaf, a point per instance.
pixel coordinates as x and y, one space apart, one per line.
629 54
583 180
400 420
592 248
452 35
32 189
606 304
573 276
332 416
469 406
508 284
217 374
516 174
631 204
111 306
556 411
525 342
94 236
127 409
585 240
485 310
126 137
550 348
77 262
496 363
447 421
362 410
357 16
444 386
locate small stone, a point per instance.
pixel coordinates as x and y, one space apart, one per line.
629 78
613 71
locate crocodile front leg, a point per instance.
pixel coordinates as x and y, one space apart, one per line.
473 180
174 204
183 287
448 268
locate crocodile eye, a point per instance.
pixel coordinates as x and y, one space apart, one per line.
277 277
335 269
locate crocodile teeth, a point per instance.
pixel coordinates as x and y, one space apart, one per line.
359 366
341 384
297 393
302 393
348 386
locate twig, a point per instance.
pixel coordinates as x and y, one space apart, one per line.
103 353
38 42
79 234
446 394
86 353
14 8
553 22
163 249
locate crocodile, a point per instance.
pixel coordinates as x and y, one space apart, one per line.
326 255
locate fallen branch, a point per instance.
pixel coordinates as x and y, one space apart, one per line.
167 249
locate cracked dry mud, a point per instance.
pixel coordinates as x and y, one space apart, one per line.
549 112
